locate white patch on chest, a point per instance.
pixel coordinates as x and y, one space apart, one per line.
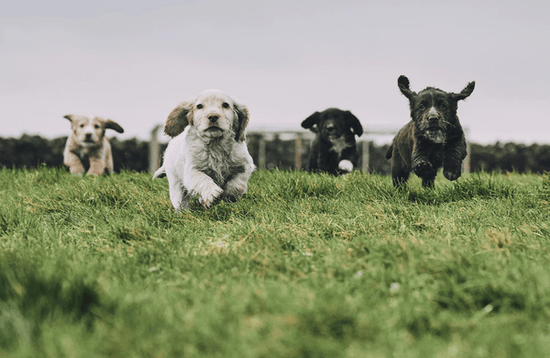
339 144
436 136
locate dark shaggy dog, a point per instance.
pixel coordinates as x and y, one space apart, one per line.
432 139
333 150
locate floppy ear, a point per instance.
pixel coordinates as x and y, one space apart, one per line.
404 86
354 124
243 117
466 91
69 117
311 122
179 118
109 124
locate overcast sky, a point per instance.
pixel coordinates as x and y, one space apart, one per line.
133 61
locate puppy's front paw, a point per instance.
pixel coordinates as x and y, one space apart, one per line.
209 197
234 189
452 174
423 168
345 165
77 169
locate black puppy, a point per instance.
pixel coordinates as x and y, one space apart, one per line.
432 139
333 150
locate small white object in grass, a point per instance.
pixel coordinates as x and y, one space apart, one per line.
307 253
394 287
359 274
453 350
345 165
152 269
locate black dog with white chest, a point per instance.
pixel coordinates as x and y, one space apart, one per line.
432 139
334 149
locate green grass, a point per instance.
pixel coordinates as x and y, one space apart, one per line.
303 266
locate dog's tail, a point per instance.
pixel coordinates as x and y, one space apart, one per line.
160 173
389 152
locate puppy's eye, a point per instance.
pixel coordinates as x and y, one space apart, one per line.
421 106
442 105
82 126
199 106
96 126
225 105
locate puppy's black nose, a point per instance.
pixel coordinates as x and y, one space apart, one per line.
433 116
88 135
213 117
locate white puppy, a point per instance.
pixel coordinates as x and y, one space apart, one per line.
209 158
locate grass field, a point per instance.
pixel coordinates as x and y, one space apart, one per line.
303 266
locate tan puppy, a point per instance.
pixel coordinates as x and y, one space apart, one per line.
87 142
207 155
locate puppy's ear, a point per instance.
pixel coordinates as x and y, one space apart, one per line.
404 86
465 92
179 118
243 116
354 124
311 122
69 117
109 124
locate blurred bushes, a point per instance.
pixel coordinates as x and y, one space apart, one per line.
132 154
510 157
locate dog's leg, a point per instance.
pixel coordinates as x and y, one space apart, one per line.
202 184
97 166
109 166
421 165
428 181
454 155
425 165
236 187
179 197
400 171
73 162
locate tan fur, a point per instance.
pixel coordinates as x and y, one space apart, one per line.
88 141
207 155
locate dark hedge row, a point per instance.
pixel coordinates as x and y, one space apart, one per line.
132 154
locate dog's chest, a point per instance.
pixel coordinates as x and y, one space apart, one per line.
86 151
219 164
338 145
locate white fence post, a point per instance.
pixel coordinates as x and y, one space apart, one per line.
154 150
365 156
298 153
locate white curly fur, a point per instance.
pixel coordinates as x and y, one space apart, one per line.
207 156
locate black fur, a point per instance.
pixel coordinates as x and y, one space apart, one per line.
432 139
334 141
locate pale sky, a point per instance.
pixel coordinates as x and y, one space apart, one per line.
133 61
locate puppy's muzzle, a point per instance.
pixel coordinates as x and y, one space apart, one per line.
213 130
433 118
213 118
88 138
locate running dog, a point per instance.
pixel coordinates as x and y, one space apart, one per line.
334 149
207 155
87 148
432 139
